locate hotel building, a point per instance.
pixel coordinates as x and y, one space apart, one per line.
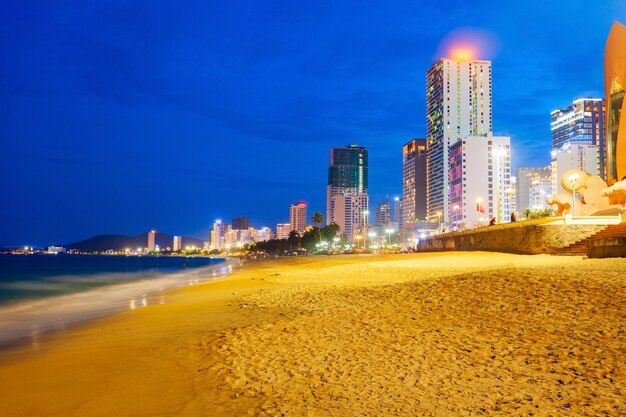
297 217
347 175
218 234
414 181
350 213
614 85
480 181
458 105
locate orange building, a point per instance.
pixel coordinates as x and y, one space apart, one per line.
614 82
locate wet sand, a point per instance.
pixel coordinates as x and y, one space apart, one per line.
416 335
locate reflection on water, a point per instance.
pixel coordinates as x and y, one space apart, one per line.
27 321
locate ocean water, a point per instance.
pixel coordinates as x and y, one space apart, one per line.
43 293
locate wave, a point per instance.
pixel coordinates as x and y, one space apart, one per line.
25 321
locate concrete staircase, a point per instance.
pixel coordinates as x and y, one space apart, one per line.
581 247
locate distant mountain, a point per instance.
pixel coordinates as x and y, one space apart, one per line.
121 242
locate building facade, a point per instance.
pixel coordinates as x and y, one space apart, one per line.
347 174
614 85
414 181
572 156
540 189
458 105
151 240
480 181
580 123
218 234
177 243
351 214
283 230
297 217
524 177
240 223
383 213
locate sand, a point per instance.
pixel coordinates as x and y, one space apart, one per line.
408 335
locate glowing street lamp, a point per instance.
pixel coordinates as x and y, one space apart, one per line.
456 214
389 232
573 180
439 219
372 235
365 213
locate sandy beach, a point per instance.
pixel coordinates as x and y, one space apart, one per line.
441 334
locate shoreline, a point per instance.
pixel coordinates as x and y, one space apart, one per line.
387 335
24 322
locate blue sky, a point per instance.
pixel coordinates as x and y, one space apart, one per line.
119 116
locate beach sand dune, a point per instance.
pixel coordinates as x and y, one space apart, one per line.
453 334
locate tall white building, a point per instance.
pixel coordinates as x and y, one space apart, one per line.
218 234
351 214
480 181
458 105
572 156
177 243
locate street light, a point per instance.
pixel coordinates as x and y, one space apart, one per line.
372 235
389 232
573 180
456 214
439 220
357 238
498 152
365 213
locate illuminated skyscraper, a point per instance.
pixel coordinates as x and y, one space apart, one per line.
581 123
458 104
177 243
414 181
347 174
297 217
614 85
151 240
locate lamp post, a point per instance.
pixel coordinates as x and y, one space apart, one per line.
456 214
389 232
573 180
439 220
365 213
372 235
498 153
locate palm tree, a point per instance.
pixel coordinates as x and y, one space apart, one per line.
318 219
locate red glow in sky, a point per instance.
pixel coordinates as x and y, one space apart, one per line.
467 44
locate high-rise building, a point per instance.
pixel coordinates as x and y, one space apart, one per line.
263 234
480 181
572 156
240 223
581 123
614 85
347 174
177 243
218 234
383 213
414 181
151 240
458 105
297 217
351 213
283 230
525 176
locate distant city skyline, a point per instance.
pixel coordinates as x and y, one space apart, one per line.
114 124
